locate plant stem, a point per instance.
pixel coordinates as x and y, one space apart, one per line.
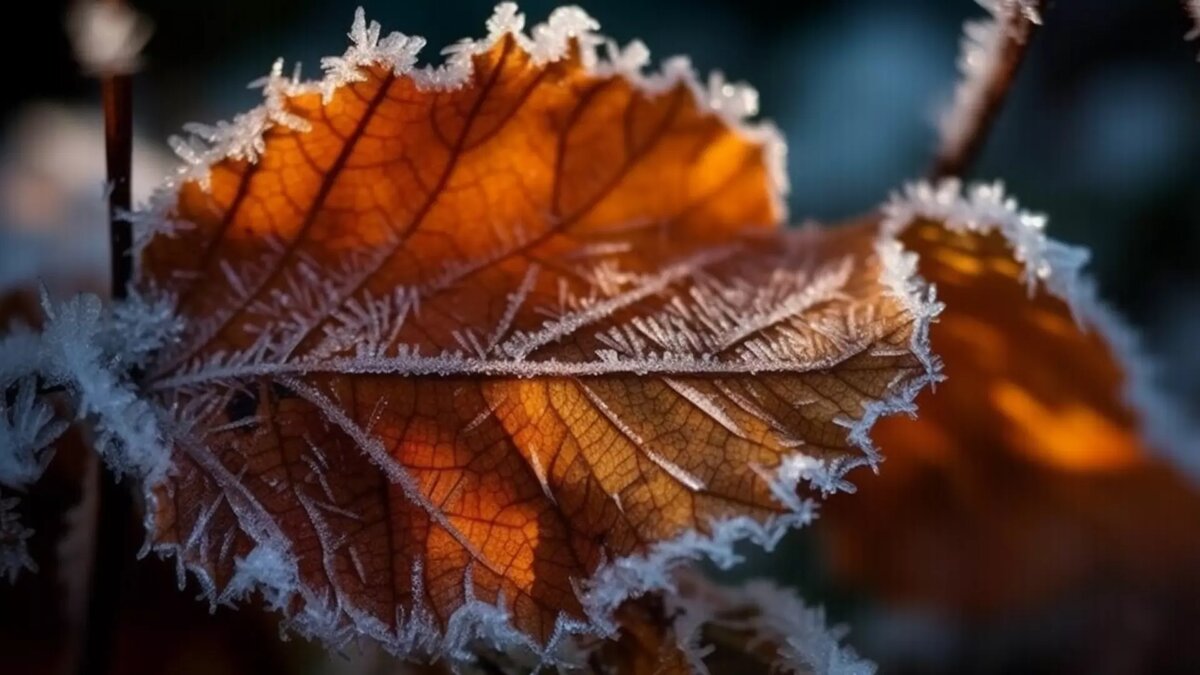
115 508
1018 22
117 92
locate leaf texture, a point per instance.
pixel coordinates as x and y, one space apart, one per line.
478 351
1031 474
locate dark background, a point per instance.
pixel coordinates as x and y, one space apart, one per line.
1102 130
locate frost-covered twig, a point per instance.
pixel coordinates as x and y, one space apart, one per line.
992 50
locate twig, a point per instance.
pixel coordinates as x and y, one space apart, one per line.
992 51
117 91
115 505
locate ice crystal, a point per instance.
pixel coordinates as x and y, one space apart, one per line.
980 55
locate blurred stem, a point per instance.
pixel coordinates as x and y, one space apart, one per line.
117 91
115 508
956 155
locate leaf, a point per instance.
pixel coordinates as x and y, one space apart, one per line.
702 627
1039 470
479 351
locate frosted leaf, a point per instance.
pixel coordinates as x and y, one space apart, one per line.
1058 268
550 401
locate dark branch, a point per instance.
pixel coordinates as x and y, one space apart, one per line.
115 508
117 91
980 97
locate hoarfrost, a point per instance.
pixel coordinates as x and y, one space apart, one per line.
981 53
27 429
768 615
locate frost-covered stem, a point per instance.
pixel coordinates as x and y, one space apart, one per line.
986 84
115 507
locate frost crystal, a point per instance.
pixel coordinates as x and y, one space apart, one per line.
396 51
980 55
85 350
27 428
89 352
769 616
268 570
242 138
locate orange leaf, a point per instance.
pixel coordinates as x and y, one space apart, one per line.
1026 477
497 343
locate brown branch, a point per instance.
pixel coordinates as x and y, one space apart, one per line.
117 91
109 566
989 69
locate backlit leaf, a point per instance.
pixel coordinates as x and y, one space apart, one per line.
1028 475
478 351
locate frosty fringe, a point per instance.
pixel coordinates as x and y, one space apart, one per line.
981 55
773 615
1057 268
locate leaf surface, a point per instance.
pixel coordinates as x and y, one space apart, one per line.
480 350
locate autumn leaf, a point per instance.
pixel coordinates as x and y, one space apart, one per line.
1041 467
703 627
481 350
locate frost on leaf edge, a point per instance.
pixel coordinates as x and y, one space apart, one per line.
242 138
1059 269
806 641
268 570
